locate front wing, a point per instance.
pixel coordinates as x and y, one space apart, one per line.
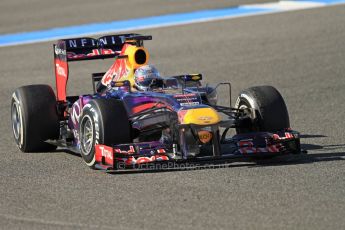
243 146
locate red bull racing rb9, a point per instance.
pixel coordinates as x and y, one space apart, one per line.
135 117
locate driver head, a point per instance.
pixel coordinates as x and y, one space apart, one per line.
146 77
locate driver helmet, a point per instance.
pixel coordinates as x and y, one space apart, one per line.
146 77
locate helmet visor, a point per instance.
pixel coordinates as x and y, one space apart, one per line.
151 82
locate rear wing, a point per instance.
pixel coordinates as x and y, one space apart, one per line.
79 49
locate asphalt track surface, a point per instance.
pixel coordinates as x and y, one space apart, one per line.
23 15
301 53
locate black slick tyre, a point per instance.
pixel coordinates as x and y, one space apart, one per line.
34 118
103 121
270 109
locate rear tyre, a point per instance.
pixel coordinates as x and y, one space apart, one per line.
103 121
34 118
270 109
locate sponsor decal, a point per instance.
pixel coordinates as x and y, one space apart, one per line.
72 43
75 114
160 150
289 135
76 135
130 151
106 152
61 75
189 103
82 42
117 71
95 119
184 95
204 136
60 70
286 136
205 118
111 40
189 99
59 51
91 42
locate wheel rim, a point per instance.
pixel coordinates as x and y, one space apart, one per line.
244 105
86 135
16 121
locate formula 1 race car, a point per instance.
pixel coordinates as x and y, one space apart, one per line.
119 126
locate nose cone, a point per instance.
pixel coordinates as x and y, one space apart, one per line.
199 116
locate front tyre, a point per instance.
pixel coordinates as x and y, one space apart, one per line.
103 121
269 106
34 118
